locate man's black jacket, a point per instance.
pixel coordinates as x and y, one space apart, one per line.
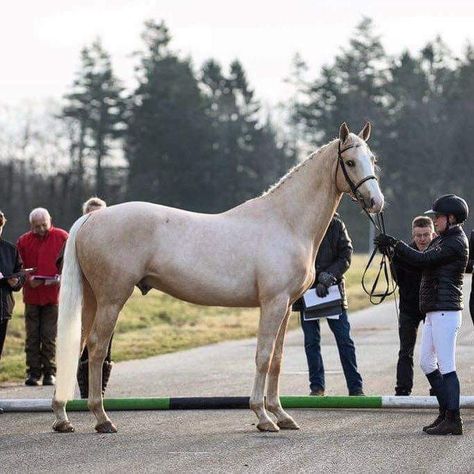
443 264
334 256
10 262
409 280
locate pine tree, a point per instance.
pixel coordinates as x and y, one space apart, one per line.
168 145
97 106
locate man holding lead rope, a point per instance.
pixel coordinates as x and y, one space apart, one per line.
441 300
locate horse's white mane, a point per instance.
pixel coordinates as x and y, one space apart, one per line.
296 169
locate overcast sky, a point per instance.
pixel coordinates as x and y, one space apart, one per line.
40 40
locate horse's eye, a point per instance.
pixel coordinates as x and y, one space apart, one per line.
350 163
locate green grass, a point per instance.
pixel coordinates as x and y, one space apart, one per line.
157 324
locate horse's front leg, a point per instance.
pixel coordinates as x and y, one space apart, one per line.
271 315
284 421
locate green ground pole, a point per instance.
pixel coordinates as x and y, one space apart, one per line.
226 403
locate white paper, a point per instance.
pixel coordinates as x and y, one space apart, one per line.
308 317
312 299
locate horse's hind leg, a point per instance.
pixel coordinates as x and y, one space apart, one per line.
272 313
89 308
97 345
284 421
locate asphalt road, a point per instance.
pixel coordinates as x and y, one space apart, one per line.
217 441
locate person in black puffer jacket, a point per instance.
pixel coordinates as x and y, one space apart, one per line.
441 300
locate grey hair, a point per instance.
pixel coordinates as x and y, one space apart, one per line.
39 212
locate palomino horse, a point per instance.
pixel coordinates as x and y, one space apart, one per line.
260 253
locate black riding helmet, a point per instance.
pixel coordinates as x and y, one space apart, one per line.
451 204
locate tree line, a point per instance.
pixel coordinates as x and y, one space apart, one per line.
184 138
197 139
422 109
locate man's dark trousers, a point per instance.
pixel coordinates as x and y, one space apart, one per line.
312 344
41 326
3 333
407 331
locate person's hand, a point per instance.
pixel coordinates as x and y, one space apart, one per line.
322 290
385 242
327 279
13 282
35 283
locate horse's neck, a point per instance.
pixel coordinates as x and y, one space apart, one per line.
307 197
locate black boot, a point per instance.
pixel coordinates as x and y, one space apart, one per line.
106 369
452 424
83 378
439 419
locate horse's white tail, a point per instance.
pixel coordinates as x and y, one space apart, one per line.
69 319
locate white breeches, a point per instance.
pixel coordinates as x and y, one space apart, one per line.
438 341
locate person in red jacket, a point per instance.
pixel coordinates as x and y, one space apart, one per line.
39 248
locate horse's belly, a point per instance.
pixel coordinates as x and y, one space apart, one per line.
208 293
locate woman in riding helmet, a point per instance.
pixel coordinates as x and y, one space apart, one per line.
441 300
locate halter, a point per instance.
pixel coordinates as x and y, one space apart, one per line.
379 224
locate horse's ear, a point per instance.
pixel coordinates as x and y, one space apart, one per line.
343 132
365 132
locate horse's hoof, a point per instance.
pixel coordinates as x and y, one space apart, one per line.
288 424
63 426
268 426
106 427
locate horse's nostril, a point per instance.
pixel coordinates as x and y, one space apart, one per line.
372 202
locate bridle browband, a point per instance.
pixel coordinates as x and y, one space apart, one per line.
379 224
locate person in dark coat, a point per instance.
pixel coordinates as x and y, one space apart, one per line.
10 264
333 260
409 280
441 299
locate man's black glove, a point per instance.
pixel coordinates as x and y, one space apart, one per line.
327 279
385 242
322 290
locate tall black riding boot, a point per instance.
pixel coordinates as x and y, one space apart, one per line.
106 369
438 389
452 424
83 378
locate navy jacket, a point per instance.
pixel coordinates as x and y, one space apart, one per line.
408 280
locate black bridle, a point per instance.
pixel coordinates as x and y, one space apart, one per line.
379 224
356 195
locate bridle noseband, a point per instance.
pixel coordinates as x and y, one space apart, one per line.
356 195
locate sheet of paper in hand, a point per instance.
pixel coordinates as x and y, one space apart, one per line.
47 279
329 306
